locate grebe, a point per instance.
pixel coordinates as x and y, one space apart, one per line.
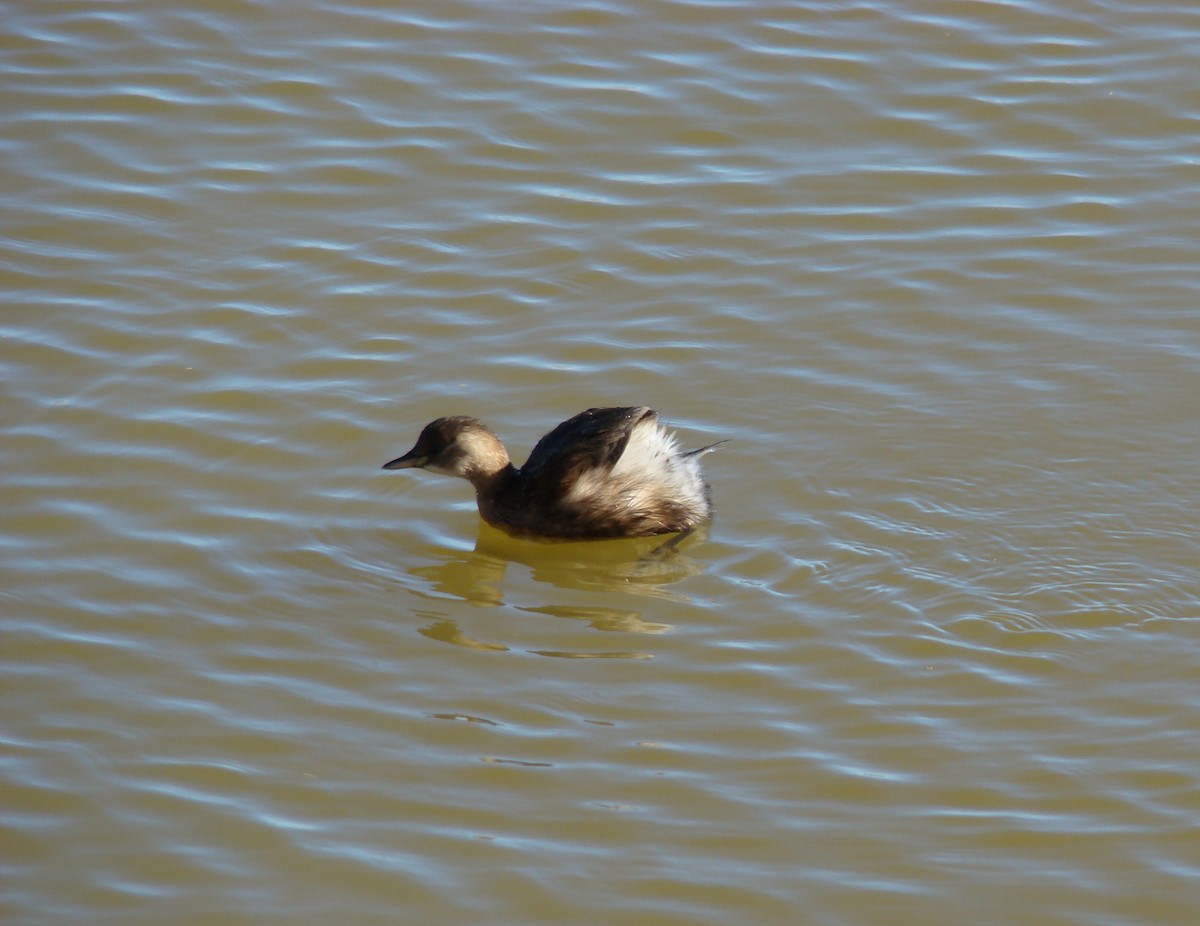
607 472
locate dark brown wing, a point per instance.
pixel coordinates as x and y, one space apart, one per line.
594 439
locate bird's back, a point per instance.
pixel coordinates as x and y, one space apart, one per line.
607 472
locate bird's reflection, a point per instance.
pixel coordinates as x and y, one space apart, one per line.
642 567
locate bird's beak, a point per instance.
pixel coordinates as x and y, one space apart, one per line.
409 461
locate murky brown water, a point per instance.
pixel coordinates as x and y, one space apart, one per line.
930 268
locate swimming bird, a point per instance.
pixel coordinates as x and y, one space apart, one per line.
607 472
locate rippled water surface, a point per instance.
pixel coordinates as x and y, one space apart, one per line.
930 268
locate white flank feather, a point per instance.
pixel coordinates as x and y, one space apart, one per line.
650 468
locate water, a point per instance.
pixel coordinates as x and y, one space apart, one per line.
930 269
